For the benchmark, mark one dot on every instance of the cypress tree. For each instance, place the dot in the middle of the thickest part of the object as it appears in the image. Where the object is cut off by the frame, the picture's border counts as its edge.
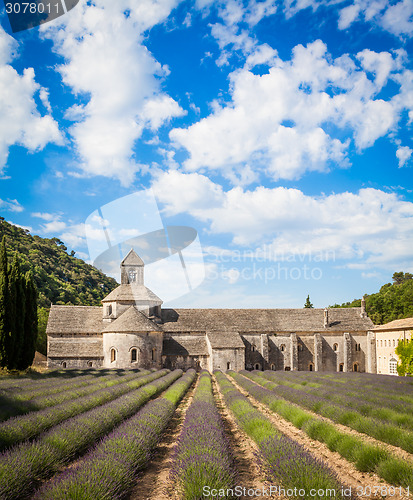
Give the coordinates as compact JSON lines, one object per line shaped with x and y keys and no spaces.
{"x":4,"y":304}
{"x":17,"y":312}
{"x":30,"y":323}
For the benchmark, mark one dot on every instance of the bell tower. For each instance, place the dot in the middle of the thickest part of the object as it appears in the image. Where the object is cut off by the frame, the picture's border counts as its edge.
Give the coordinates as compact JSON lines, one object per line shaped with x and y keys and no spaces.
{"x":131,"y":269}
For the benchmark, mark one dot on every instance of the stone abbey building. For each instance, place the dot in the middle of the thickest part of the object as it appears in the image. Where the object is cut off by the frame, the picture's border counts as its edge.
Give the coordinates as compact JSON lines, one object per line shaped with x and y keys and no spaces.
{"x":132,"y":330}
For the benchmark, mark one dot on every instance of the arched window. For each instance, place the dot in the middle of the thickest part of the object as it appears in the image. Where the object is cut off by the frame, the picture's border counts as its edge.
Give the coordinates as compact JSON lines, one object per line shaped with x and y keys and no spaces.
{"x":355,"y":367}
{"x":300,"y":347}
{"x":134,"y":355}
{"x":273,"y":367}
{"x":257,"y":366}
{"x":394,"y":343}
{"x":335,"y":347}
{"x":228,"y":365}
{"x":393,"y":366}
{"x":132,"y":276}
{"x":112,"y":355}
{"x":311,"y":367}
{"x":341,"y":367}
{"x":252,"y":347}
{"x":89,"y":364}
{"x":287,"y":369}
{"x":282,"y":347}
{"x":64,"y":364}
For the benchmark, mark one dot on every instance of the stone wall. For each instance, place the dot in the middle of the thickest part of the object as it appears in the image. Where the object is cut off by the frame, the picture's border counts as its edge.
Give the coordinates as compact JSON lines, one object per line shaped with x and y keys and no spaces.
{"x":172,"y":362}
{"x":67,"y":351}
{"x":227,"y":359}
{"x":148,"y":350}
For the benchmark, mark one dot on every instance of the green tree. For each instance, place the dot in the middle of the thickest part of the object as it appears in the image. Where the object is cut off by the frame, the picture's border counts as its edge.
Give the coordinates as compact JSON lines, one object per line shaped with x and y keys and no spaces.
{"x":30,"y":323}
{"x":4,"y":304}
{"x":308,"y":304}
{"x":401,"y":277}
{"x":41,"y":342}
{"x":17,"y":312}
{"x":404,"y":351}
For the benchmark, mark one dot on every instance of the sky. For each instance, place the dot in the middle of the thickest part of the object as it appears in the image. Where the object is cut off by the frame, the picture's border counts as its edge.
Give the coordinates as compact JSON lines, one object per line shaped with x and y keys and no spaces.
{"x":277,"y":132}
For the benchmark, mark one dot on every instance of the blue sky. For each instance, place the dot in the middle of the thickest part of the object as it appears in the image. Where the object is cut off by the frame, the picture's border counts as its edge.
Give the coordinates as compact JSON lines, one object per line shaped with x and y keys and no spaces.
{"x":279,"y":130}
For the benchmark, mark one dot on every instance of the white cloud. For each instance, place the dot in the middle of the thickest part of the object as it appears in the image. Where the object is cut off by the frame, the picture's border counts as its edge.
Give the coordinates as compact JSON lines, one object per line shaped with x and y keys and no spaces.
{"x":11,"y":205}
{"x":44,"y":215}
{"x":21,"y":122}
{"x":285,"y":122}
{"x":105,"y":60}
{"x":403,"y":153}
{"x":371,"y":226}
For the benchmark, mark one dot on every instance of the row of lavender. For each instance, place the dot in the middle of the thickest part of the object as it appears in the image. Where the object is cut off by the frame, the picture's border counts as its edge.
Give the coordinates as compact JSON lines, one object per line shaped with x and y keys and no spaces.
{"x":366,"y":457}
{"x":24,"y":465}
{"x":202,"y":456}
{"x":53,"y":394}
{"x":109,"y":469}
{"x":284,"y":461}
{"x":350,"y":383}
{"x":349,"y":413}
{"x":27,"y":426}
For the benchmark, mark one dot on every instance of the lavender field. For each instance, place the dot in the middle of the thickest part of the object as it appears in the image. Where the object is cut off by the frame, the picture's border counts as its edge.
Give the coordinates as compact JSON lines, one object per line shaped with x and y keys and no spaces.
{"x":103,"y":434}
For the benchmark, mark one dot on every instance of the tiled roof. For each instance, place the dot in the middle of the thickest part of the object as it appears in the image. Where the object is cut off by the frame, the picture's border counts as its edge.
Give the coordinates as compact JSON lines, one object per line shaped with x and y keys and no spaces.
{"x":264,"y":320}
{"x":397,"y":324}
{"x":185,"y":345}
{"x":132,"y":293}
{"x":131,"y":321}
{"x":75,"y":319}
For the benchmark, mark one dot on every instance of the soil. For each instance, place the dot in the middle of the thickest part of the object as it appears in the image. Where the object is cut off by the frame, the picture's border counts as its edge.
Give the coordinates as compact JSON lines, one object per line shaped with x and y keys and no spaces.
{"x":154,"y":482}
{"x":347,"y":473}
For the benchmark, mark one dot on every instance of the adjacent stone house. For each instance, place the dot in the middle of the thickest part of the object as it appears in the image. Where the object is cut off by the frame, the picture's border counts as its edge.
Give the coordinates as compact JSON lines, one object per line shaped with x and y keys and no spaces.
{"x":387,"y":338}
{"x":133,"y":330}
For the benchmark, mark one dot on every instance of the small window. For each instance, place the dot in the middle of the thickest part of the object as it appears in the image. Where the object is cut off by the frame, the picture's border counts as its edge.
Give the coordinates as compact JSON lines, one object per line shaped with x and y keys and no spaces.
{"x":134,"y":355}
{"x":257,"y":366}
{"x":287,"y":369}
{"x":393,"y":366}
{"x":273,"y":367}
{"x":335,"y":347}
{"x":385,"y":343}
{"x":300,"y":347}
{"x":112,"y":355}
{"x":154,"y":354}
{"x":89,"y":364}
{"x":341,"y":367}
{"x":228,"y":365}
{"x":108,"y":310}
{"x":355,"y":367}
{"x":311,"y":367}
{"x":282,"y":347}
{"x":394,"y":343}
{"x":381,"y":343}
{"x":132,"y":276}
{"x":64,"y":364}
{"x":358,"y":347}
{"x":252,"y":347}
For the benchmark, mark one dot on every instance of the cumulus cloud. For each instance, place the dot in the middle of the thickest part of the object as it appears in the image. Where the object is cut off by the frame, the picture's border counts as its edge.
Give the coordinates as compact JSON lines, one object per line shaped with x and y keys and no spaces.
{"x":403,"y":153}
{"x":11,"y":205}
{"x":286,"y":121}
{"x":21,"y":122}
{"x":107,"y":63}
{"x":370,"y":226}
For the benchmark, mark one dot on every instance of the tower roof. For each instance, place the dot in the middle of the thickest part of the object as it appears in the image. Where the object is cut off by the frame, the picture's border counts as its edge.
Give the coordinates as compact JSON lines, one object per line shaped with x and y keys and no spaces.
{"x":132,"y":259}
{"x":132,"y":321}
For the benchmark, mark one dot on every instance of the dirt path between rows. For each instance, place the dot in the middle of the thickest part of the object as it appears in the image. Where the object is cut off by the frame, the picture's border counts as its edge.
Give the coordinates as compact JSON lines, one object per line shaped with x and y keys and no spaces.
{"x":347,"y":473}
{"x":154,"y":482}
{"x":243,"y":448}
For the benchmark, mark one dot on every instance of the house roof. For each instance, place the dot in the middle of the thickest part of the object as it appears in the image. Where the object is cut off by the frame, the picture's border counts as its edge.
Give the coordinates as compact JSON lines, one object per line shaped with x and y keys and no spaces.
{"x":132,"y":293}
{"x":74,"y":319}
{"x":397,"y":324}
{"x":132,"y":259}
{"x":131,"y":321}
{"x":225,"y":340}
{"x":185,"y":345}
{"x":264,"y":320}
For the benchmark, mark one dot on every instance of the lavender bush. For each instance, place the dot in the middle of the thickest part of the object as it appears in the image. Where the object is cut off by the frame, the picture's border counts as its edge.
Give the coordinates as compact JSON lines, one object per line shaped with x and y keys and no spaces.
{"x":202,"y":455}
{"x":285,"y":461}
{"x":109,"y":469}
{"x":22,"y":466}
